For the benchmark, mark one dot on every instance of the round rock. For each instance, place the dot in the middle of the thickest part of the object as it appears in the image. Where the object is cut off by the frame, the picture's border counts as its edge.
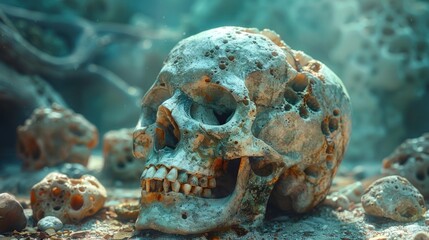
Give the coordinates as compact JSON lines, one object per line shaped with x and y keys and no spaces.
{"x":394,"y":197}
{"x":49,"y":222}
{"x":12,"y":215}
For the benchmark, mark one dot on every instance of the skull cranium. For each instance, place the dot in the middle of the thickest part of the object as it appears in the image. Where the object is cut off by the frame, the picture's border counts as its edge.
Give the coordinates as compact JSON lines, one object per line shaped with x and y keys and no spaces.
{"x":235,"y":121}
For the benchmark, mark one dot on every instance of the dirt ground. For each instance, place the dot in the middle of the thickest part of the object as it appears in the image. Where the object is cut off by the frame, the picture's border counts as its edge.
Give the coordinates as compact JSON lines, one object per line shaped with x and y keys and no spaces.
{"x":116,"y":221}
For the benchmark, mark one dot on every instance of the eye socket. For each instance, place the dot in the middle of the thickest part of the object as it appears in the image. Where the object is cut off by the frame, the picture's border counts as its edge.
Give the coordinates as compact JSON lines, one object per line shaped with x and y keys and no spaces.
{"x":212,"y":105}
{"x":261,"y":167}
{"x":151,"y":101}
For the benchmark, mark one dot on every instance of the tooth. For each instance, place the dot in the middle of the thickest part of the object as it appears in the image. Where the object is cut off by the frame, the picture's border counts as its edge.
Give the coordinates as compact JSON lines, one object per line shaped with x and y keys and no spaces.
{"x":152,"y":185}
{"x":144,"y":173}
{"x":148,"y":185}
{"x":197,"y":190}
{"x":207,"y":193}
{"x":193,"y":181}
{"x":212,"y":183}
{"x":150,"y":172}
{"x":186,"y":188}
{"x":160,"y":174}
{"x":183,"y":177}
{"x":166,"y":185}
{"x":203,"y":182}
{"x":143,"y":183}
{"x":158,"y":186}
{"x":172,"y":175}
{"x":175,"y":186}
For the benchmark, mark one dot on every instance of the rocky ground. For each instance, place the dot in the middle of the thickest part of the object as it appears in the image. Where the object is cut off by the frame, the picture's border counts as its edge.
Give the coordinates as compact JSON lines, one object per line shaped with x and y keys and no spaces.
{"x":116,"y":220}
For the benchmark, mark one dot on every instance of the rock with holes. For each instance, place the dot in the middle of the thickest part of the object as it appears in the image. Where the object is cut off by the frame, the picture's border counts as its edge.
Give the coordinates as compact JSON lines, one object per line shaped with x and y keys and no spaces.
{"x":68,"y":199}
{"x":55,"y":135}
{"x":236,"y":121}
{"x":394,"y":197}
{"x":119,"y":161}
{"x":411,"y":160}
{"x":12,"y":215}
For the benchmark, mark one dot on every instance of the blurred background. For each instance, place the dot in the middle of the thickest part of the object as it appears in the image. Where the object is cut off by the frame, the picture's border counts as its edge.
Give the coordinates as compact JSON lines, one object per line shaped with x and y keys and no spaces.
{"x":99,"y":57}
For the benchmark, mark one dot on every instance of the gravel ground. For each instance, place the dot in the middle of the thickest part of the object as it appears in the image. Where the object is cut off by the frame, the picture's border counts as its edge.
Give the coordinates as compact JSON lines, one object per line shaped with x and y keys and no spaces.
{"x":324,"y":222}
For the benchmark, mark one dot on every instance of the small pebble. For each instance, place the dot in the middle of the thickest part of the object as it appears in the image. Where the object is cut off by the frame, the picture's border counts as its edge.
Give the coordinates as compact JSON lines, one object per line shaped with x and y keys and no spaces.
{"x":394,"y":197}
{"x":421,"y":236}
{"x":49,"y":222}
{"x":12,"y":215}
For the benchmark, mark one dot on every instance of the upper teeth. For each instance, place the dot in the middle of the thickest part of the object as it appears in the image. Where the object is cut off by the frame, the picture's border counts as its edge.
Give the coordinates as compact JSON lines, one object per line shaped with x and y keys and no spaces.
{"x":162,"y":179}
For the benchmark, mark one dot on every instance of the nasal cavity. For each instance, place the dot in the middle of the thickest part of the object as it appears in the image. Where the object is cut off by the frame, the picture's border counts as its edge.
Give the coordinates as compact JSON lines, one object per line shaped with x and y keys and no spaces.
{"x":167,"y":134}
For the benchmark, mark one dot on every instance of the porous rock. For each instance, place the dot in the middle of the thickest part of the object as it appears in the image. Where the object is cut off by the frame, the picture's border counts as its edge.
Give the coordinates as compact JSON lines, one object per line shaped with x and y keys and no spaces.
{"x":49,"y":222}
{"x":411,"y":161}
{"x":68,"y":199}
{"x":119,"y":161}
{"x":55,"y":135}
{"x":421,"y":236}
{"x":12,"y":215}
{"x":394,"y":197}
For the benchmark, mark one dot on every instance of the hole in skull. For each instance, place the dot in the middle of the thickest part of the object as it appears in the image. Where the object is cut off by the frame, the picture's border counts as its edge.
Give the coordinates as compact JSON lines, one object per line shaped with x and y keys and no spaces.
{"x":261,"y":167}
{"x":291,"y":96}
{"x":299,"y":83}
{"x":184,"y":215}
{"x":57,"y":208}
{"x":167,"y":132}
{"x":212,"y":104}
{"x":209,"y":115}
{"x":76,"y":202}
{"x":56,"y":191}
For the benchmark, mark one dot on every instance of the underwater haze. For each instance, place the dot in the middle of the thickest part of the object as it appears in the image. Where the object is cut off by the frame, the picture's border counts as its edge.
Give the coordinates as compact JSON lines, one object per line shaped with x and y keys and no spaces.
{"x":91,"y":62}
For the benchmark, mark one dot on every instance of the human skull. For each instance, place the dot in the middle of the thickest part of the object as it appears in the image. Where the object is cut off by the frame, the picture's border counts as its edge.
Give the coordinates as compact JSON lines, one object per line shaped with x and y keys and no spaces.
{"x":235,"y":121}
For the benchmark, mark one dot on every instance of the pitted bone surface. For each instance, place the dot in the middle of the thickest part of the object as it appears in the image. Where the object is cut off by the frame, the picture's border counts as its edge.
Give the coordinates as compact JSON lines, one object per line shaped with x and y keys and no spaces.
{"x":68,"y":199}
{"x":235,"y":118}
{"x":55,"y":135}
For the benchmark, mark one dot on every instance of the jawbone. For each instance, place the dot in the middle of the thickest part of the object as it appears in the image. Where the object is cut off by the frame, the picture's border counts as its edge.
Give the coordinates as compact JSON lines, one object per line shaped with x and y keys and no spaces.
{"x":183,"y":214}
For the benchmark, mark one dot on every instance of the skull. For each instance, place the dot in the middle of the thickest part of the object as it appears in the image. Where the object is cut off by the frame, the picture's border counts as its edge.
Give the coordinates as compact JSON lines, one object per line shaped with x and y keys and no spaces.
{"x":236,"y":121}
